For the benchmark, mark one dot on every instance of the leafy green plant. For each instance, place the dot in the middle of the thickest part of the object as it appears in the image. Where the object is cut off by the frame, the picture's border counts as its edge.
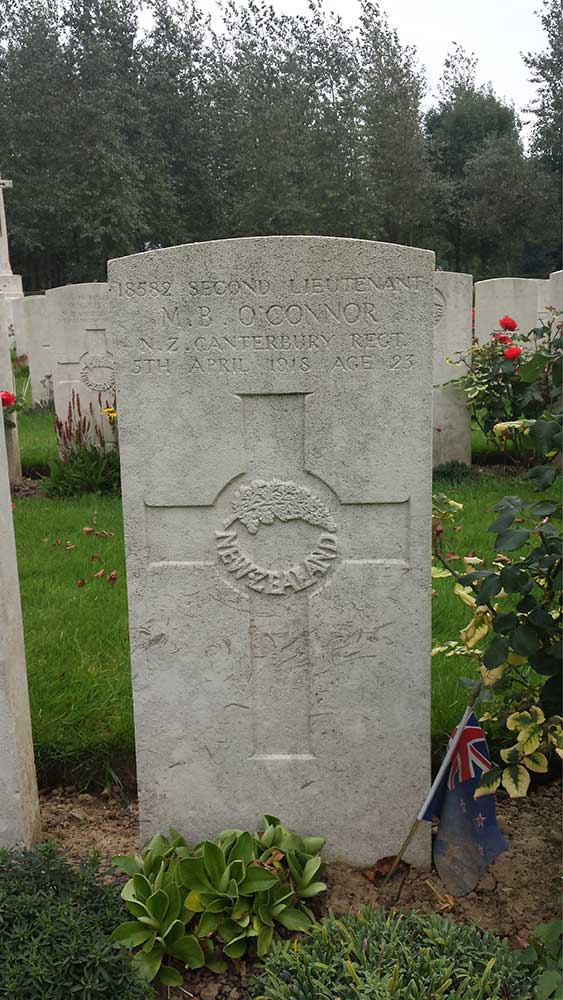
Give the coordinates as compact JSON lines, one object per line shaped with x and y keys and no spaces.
{"x":231,"y":892}
{"x":56,"y":921}
{"x":518,"y":605}
{"x":87,"y":470}
{"x":544,"y":954}
{"x":378,"y":956}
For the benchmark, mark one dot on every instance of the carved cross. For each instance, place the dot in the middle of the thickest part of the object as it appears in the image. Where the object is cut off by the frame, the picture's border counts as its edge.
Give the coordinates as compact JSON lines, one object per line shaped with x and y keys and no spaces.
{"x":277,"y":536}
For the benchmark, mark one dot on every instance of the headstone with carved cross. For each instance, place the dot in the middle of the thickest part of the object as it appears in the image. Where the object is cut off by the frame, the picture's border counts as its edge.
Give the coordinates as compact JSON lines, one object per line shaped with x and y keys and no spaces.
{"x":275,"y":428}
{"x":79,"y":341}
{"x":453,"y":301}
{"x":10,"y":284}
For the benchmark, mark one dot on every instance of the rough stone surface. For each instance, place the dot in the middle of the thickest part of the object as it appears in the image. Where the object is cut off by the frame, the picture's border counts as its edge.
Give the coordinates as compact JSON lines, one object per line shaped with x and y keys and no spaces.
{"x":81,"y":344}
{"x":18,"y":326}
{"x":525,"y":299}
{"x":453,"y":300}
{"x":39,"y":350}
{"x":274,"y":399}
{"x":19,"y":803}
{"x":7,"y":383}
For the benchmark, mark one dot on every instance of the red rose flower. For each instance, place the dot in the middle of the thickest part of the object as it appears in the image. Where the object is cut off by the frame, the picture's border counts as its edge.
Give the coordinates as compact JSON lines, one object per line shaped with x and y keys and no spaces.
{"x":507,"y":323}
{"x":503,"y":338}
{"x":8,"y":398}
{"x":512,"y":353}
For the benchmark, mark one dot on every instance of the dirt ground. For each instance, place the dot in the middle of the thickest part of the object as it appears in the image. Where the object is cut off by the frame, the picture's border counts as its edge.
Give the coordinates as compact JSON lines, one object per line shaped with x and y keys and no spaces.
{"x":520,"y":889}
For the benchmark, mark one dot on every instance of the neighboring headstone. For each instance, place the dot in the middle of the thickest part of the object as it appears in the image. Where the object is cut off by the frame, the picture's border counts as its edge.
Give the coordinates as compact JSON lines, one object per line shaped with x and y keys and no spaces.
{"x":556,"y":290}
{"x":19,"y":327}
{"x":79,"y":332}
{"x":453,"y":300}
{"x":10,"y":284}
{"x":19,"y":803}
{"x":274,"y":399}
{"x":7,"y":383}
{"x":524,"y":299}
{"x":39,"y":351}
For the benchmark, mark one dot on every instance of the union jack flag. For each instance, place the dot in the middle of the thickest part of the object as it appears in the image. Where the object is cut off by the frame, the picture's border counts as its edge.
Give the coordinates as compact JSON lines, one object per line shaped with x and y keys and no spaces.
{"x":467,"y":755}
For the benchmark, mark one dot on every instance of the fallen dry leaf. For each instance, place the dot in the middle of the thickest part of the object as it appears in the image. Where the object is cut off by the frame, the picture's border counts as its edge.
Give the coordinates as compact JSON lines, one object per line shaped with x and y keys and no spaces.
{"x":99,"y":573}
{"x":87,"y":531}
{"x":103,"y":534}
{"x":81,"y":583}
{"x":94,"y":558}
{"x":383,"y":866}
{"x":57,"y":542}
{"x":112,"y":577}
{"x":69,"y":546}
{"x":44,"y":540}
{"x":458,"y":527}
{"x":451,"y":556}
{"x":502,"y":558}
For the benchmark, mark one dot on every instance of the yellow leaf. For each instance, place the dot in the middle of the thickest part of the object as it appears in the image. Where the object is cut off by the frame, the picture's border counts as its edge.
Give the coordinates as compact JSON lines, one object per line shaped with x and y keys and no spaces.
{"x":516,"y":660}
{"x":537,"y":714}
{"x":455,"y":505}
{"x":516,"y":780}
{"x":473,"y":561}
{"x":490,"y":677}
{"x":530,"y":738}
{"x":518,"y":720}
{"x":193,"y":902}
{"x":536,"y":762}
{"x":439,"y":573}
{"x":465,"y":595}
{"x":512,"y":755}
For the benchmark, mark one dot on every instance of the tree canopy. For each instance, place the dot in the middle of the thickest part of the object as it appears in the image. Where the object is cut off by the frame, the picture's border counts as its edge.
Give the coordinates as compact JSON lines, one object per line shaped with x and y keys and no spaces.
{"x":125,"y":127}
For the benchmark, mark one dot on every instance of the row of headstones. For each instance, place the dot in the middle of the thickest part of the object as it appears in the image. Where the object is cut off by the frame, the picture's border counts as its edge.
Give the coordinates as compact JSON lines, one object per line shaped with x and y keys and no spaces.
{"x":67,"y":337}
{"x":275,"y":408}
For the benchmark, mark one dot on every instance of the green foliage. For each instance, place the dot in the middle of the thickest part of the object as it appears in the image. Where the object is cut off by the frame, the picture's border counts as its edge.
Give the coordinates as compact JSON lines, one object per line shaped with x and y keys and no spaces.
{"x":233,"y":892}
{"x":56,"y":921}
{"x":544,"y":954}
{"x":88,"y":470}
{"x":375,"y":956}
{"x":517,"y":604}
{"x":508,"y":395}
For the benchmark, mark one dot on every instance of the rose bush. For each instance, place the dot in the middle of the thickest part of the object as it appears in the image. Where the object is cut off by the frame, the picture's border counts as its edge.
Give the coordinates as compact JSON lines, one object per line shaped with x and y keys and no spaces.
{"x":508,"y":390}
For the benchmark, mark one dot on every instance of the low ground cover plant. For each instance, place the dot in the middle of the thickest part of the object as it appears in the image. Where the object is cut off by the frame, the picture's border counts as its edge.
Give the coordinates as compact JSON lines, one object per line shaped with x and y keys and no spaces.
{"x":55,"y":927}
{"x":88,"y":446}
{"x":377,"y":956}
{"x":213,"y":903}
{"x":544,"y":954}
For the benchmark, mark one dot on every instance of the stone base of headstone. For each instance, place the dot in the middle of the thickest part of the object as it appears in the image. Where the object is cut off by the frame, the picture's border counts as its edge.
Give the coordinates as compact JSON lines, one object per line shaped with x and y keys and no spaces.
{"x":19,"y":803}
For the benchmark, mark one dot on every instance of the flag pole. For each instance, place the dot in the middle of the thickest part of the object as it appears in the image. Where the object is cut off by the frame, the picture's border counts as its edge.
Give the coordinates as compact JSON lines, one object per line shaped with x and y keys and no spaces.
{"x":445,"y":763}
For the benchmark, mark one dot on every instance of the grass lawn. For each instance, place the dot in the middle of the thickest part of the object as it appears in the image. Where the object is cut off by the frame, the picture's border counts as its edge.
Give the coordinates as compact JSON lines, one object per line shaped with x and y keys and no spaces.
{"x":76,"y":635}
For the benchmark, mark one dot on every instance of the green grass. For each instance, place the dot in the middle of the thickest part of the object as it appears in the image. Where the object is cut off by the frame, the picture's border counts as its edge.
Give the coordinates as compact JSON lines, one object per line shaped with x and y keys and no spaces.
{"x":77,"y":638}
{"x":36,"y":431}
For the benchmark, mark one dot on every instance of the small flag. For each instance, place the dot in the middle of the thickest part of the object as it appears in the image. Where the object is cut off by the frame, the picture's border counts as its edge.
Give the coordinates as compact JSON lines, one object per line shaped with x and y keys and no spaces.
{"x":468,"y":837}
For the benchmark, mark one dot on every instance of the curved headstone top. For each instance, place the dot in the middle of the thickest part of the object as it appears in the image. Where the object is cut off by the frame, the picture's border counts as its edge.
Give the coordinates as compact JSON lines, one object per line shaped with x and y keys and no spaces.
{"x":275,"y":439}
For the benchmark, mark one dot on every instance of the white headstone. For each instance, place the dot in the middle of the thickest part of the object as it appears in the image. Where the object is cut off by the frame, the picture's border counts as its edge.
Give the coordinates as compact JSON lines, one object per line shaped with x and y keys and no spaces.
{"x":275,"y":416}
{"x":556,"y":290}
{"x":453,"y":302}
{"x":79,"y":332}
{"x":39,"y":351}
{"x":7,"y":383}
{"x":19,"y":804}
{"x":19,"y":326}
{"x":524,"y":299}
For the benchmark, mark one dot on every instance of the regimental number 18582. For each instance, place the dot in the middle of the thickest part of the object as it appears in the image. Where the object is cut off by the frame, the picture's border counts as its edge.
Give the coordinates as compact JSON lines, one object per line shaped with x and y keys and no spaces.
{"x":132,"y":289}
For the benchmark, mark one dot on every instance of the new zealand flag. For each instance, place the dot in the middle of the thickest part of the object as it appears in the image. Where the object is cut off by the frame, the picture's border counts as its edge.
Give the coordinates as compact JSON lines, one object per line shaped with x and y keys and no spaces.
{"x":468,"y":837}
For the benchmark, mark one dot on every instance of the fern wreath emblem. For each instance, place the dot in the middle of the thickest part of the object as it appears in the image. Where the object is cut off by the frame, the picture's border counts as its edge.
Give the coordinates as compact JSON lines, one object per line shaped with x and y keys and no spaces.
{"x":262,"y":501}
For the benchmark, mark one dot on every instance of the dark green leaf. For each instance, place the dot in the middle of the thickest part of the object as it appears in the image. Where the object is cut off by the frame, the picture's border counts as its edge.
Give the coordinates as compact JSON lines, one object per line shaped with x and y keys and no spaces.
{"x":524,"y":640}
{"x":513,"y":538}
{"x":496,"y":652}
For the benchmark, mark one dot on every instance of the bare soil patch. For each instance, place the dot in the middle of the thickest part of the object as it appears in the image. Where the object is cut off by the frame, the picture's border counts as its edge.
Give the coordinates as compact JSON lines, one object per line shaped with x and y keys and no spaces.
{"x":521,"y":889}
